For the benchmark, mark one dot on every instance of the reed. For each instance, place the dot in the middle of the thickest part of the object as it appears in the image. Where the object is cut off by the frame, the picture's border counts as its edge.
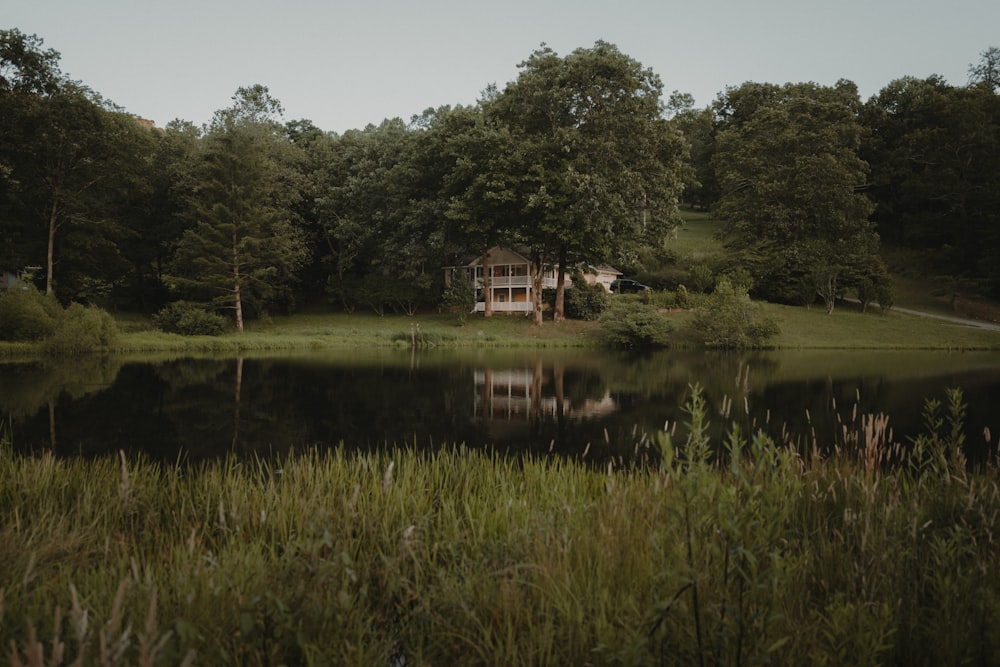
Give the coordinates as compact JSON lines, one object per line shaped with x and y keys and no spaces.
{"x":750,"y":550}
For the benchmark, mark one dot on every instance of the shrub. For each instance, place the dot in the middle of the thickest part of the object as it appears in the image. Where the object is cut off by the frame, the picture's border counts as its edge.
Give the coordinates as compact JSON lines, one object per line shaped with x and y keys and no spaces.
{"x":27,"y":315}
{"x":700,"y":278}
{"x":586,"y":301}
{"x":631,"y":323}
{"x":189,"y":319}
{"x":730,"y":319}
{"x":682,"y":296}
{"x":82,"y":329}
{"x":885,"y":295}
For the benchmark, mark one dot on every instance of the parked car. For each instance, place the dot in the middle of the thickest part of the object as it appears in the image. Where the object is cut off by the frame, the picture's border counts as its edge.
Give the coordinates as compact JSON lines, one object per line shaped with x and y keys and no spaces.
{"x":626,"y":286}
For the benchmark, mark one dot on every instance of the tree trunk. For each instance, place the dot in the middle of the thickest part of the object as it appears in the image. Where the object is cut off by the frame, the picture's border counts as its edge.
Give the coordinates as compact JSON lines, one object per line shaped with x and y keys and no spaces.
{"x":52,"y":425}
{"x":50,"y":252}
{"x":537,"y":267}
{"x":487,"y":283}
{"x":560,"y":309}
{"x":237,"y":296}
{"x":237,"y":394}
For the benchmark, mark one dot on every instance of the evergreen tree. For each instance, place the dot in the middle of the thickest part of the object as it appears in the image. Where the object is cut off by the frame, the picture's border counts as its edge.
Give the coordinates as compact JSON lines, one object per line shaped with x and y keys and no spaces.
{"x":245,"y":247}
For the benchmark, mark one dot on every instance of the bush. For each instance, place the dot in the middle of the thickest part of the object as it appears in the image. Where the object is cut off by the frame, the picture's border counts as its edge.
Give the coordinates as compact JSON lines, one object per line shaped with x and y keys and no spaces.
{"x":700,"y":278}
{"x":586,"y":301}
{"x":631,"y":323}
{"x":27,"y":315}
{"x":82,"y":329}
{"x":189,"y":319}
{"x":729,"y":319}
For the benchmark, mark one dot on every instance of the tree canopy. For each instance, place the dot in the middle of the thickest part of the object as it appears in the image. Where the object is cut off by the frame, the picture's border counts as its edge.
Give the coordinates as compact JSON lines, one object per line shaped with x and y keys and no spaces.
{"x":244,"y":247}
{"x":579,"y":160}
{"x":792,"y":182}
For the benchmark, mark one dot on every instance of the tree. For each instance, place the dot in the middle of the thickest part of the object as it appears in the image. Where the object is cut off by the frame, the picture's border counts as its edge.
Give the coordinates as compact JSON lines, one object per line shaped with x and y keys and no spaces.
{"x":986,"y":72}
{"x":244,"y":247}
{"x":71,"y":165}
{"x":793,"y":205}
{"x":935,"y":156}
{"x":599,"y":167}
{"x":481,"y":185}
{"x":697,"y":126}
{"x":25,"y":68}
{"x":155,"y":214}
{"x":73,"y":159}
{"x":371,"y":213}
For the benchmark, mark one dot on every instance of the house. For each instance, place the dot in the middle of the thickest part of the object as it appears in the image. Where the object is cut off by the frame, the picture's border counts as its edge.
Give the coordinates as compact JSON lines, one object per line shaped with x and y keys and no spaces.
{"x":510,"y":279}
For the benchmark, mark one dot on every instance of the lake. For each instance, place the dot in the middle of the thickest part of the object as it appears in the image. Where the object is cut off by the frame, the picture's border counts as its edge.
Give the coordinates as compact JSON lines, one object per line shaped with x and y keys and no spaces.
{"x":594,"y":404}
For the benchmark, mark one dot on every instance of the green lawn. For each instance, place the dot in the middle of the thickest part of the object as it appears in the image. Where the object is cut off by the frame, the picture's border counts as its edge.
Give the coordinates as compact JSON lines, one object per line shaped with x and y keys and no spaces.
{"x":695,"y":240}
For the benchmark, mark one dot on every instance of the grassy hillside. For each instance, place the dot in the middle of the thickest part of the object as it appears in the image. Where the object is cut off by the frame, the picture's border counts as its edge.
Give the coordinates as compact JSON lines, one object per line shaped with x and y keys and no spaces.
{"x":917,"y":287}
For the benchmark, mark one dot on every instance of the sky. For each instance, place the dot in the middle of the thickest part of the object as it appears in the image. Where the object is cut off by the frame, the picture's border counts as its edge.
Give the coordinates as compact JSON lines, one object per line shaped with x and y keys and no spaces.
{"x":345,"y":65}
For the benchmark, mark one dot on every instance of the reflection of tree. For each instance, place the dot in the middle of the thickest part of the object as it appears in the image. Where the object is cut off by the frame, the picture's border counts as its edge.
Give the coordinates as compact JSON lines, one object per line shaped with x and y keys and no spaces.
{"x":238,"y":389}
{"x":30,"y":387}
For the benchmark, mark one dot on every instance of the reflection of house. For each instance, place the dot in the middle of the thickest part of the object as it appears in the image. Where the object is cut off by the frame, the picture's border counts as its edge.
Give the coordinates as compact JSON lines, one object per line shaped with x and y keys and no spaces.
{"x":510,"y":279}
{"x":517,"y":395}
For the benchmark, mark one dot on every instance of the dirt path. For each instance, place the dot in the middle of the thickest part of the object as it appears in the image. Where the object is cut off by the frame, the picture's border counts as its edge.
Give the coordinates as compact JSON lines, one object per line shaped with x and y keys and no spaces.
{"x":992,"y":326}
{"x":980,"y":324}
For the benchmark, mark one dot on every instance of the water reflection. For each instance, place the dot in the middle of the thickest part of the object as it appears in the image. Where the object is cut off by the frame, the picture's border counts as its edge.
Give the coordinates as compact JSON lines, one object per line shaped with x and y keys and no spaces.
{"x":519,"y":401}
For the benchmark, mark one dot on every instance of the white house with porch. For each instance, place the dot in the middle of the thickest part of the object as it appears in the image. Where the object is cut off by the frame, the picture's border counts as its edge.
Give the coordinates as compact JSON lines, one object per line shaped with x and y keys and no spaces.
{"x":510,"y":279}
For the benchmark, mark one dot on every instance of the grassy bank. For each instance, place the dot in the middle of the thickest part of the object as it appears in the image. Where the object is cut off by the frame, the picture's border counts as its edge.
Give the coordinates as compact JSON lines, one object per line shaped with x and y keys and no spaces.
{"x":801,"y":328}
{"x":761,"y":555}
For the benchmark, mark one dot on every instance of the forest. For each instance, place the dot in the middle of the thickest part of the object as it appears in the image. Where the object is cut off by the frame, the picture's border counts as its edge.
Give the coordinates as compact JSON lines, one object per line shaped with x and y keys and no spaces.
{"x":584,"y":158}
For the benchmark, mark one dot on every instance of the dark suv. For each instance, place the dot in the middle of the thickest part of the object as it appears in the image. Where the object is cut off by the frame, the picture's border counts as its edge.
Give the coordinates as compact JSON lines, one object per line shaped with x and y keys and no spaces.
{"x":625,"y":286}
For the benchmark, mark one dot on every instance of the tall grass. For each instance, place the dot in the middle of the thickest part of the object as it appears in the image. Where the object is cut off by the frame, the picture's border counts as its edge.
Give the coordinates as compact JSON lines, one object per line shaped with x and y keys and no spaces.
{"x":743,"y":551}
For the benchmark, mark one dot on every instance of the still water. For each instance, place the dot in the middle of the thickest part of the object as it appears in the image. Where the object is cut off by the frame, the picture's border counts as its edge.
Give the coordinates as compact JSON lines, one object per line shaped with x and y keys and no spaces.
{"x":589,"y":404}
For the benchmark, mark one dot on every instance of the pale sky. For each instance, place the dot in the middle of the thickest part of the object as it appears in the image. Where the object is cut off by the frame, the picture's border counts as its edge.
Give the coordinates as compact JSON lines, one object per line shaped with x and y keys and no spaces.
{"x":344,"y":65}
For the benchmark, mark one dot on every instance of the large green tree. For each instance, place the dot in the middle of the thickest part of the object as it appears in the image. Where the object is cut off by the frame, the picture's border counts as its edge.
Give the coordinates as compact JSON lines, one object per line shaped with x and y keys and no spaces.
{"x":481,"y":185}
{"x":794,"y":207}
{"x":66,"y":160}
{"x":154,"y":214}
{"x":601,"y":167}
{"x":245,"y":246}
{"x":935,"y":155}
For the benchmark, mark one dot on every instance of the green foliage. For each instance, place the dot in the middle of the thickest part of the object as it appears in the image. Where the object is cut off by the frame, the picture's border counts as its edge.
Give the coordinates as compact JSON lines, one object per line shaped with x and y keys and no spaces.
{"x":27,"y":315}
{"x":190,"y":319}
{"x":682,"y":296}
{"x":245,"y":245}
{"x":700,"y":278}
{"x":587,"y":147}
{"x":460,"y":295}
{"x":631,"y":323}
{"x":82,"y":329}
{"x":885,"y":295}
{"x":729,"y":319}
{"x":586,"y":301}
{"x":787,"y":158}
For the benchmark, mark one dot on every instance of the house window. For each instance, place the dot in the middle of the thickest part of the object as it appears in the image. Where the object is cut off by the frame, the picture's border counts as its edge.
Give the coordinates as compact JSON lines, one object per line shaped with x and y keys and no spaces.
{"x":519,"y":270}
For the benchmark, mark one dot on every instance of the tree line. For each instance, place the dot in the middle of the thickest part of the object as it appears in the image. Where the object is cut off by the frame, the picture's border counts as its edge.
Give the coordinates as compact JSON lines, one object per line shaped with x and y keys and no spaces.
{"x":582,"y":158}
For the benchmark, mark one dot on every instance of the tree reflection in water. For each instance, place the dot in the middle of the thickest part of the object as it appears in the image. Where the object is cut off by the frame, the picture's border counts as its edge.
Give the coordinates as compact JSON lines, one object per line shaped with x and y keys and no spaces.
{"x":514,"y":401}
